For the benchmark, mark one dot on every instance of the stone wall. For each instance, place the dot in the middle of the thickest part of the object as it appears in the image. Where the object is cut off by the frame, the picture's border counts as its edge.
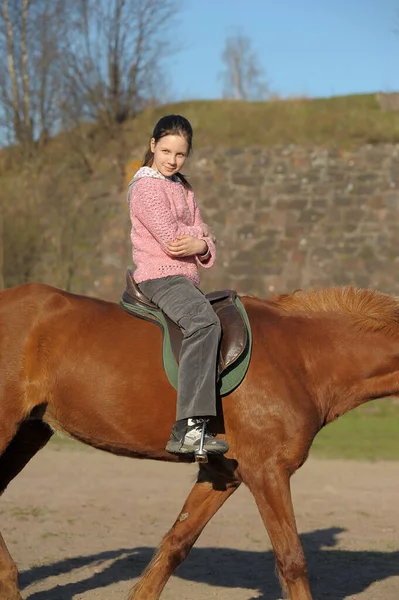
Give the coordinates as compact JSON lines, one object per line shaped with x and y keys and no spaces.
{"x":288,"y":218}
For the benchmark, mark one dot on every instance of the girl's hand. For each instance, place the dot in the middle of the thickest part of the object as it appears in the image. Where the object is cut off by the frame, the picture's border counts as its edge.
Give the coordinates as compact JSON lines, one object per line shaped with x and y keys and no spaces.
{"x":186,"y":245}
{"x":207,"y":232}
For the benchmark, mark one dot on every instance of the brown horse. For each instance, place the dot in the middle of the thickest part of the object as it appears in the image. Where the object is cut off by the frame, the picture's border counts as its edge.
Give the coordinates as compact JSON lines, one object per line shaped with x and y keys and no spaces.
{"x":85,"y":367}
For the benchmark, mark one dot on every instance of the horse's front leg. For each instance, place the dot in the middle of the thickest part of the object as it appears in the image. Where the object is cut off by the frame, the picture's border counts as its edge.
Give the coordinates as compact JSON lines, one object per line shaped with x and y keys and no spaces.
{"x":8,"y":575}
{"x":206,"y":497}
{"x":17,"y":446}
{"x":271,"y":489}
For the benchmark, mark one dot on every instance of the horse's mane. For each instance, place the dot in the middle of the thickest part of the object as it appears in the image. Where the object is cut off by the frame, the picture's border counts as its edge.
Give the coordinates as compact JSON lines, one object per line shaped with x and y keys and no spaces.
{"x":369,"y":309}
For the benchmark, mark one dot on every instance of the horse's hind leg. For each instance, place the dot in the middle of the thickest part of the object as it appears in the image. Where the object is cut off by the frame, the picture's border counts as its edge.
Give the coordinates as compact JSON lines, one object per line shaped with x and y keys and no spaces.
{"x":29,"y":439}
{"x":206,"y":497}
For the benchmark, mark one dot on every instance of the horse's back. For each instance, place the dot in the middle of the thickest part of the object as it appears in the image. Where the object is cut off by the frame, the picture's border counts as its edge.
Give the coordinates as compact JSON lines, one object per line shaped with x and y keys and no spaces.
{"x":38,"y":303}
{"x":47,"y":319}
{"x":24,"y":304}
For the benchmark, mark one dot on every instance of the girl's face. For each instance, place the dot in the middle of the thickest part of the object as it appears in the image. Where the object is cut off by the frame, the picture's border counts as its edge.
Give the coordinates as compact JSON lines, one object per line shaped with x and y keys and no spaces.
{"x":170,"y":154}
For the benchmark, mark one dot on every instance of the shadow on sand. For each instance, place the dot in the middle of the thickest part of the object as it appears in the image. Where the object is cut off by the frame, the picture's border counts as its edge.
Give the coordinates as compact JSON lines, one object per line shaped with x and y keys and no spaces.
{"x":334,"y":574}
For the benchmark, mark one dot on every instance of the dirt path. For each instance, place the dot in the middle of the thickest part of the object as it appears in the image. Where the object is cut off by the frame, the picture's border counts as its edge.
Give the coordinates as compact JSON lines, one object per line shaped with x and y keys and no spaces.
{"x":83,"y":524}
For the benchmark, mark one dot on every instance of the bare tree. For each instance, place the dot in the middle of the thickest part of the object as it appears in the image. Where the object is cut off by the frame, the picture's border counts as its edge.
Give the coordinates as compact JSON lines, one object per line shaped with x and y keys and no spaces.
{"x":64,"y":63}
{"x":117,"y":56}
{"x":243,"y":78}
{"x":30,"y":34}
{"x":13,"y":100}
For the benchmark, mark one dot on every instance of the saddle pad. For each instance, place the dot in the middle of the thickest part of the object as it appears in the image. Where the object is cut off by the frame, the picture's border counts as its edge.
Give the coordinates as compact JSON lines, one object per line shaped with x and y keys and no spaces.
{"x":230,"y":377}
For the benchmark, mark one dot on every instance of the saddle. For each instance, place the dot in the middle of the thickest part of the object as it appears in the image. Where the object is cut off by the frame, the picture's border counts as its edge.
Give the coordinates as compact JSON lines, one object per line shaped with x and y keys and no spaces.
{"x":235,"y":339}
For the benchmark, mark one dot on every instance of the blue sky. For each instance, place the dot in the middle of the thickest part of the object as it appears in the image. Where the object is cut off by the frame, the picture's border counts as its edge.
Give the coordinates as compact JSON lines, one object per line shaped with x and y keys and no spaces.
{"x":307,"y":48}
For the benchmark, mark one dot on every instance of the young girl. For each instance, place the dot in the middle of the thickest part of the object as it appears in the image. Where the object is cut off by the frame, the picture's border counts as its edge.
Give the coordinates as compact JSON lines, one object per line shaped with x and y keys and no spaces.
{"x":169,"y":241}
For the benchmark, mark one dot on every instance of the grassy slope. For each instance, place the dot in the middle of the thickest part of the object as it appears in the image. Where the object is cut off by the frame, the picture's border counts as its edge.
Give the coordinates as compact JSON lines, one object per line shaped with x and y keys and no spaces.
{"x":340,"y":121}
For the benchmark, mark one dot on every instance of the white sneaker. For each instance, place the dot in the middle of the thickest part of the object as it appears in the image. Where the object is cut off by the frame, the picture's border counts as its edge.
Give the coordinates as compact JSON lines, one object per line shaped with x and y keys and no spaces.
{"x":186,"y":437}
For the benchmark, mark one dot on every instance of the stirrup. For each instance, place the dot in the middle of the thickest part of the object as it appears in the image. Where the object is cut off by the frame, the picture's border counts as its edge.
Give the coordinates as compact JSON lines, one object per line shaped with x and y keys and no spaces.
{"x":201,"y":455}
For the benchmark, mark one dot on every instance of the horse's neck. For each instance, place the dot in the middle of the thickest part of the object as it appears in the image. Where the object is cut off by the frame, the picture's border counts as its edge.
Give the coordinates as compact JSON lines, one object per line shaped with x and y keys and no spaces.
{"x":365,"y":367}
{"x":342,"y":367}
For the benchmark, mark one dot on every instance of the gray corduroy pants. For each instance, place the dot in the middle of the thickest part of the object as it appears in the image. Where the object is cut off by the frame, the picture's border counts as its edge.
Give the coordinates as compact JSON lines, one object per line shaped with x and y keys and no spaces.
{"x":187,"y":306}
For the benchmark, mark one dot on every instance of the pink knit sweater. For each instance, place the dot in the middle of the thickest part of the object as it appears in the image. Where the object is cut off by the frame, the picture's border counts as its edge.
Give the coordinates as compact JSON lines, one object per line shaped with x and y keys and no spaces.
{"x":161,"y":209}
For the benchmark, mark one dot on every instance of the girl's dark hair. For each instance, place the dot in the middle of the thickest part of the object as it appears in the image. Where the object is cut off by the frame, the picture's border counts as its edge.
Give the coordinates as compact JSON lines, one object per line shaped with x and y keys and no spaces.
{"x":170,"y":125}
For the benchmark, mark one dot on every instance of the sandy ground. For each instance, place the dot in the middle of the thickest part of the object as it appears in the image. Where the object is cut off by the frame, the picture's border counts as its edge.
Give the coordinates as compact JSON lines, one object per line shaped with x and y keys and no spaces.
{"x":83,"y":524}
